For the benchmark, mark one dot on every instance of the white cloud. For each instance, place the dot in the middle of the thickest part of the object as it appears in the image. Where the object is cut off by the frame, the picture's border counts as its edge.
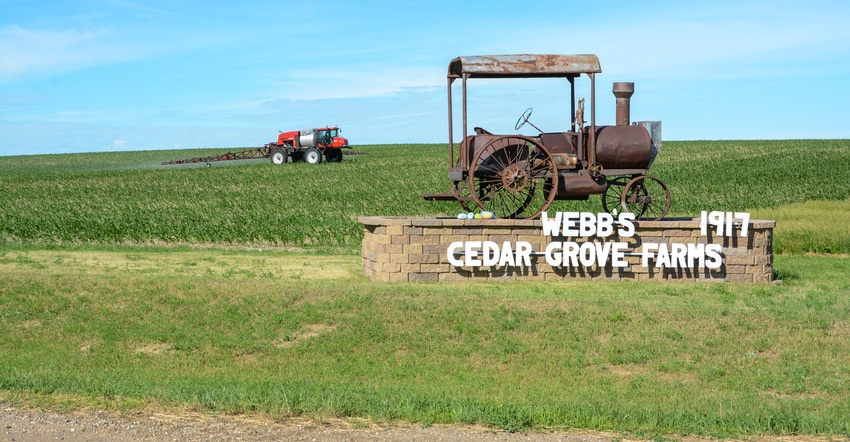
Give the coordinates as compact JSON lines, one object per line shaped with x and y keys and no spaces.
{"x":28,"y":51}
{"x":710,"y":41}
{"x":360,"y":81}
{"x":57,"y":51}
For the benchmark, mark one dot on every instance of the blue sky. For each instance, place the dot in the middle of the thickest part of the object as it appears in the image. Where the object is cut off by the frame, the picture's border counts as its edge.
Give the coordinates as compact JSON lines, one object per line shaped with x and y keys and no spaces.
{"x":116,"y":75}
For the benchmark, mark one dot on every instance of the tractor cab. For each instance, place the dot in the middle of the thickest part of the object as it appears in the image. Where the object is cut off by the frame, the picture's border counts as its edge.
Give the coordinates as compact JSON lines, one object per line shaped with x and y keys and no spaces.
{"x":330,"y":137}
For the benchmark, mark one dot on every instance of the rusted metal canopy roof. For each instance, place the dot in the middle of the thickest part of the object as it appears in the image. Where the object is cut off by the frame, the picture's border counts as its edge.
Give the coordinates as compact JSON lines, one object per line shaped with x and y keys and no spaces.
{"x":524,"y":65}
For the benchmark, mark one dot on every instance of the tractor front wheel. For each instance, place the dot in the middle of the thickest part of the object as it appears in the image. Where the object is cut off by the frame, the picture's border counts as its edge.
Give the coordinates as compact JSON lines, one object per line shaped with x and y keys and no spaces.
{"x":647,"y":197}
{"x":613,"y":193}
{"x":278,"y":156}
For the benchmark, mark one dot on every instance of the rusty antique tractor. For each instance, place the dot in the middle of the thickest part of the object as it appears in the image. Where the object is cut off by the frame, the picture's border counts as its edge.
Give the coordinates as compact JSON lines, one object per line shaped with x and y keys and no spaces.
{"x":518,"y":176}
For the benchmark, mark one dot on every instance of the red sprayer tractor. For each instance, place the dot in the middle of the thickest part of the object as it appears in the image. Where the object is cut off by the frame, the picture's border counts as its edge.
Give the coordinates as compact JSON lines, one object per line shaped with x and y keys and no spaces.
{"x":308,"y":145}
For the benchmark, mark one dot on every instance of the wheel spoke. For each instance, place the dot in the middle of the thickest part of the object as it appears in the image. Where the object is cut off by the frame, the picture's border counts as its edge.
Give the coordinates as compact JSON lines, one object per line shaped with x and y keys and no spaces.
{"x":520,"y":149}
{"x":538,"y":171}
{"x":493,"y":165}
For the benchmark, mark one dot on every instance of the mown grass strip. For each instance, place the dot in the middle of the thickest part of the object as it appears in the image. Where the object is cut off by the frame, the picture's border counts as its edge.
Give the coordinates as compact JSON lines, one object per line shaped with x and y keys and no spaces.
{"x":810,"y":227}
{"x":223,"y":331}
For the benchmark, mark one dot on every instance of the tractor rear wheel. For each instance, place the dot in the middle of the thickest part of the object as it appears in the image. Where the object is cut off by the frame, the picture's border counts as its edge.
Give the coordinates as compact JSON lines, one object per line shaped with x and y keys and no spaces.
{"x":313,"y":156}
{"x":333,"y":155}
{"x":278,"y":156}
{"x":513,"y":177}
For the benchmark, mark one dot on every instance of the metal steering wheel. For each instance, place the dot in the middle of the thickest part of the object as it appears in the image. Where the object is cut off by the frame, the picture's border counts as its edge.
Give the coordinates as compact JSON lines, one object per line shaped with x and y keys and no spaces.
{"x":523,"y":119}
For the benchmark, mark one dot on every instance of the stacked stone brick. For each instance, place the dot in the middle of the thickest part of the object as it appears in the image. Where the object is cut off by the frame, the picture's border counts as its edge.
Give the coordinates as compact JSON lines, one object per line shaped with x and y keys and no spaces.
{"x":415,"y":249}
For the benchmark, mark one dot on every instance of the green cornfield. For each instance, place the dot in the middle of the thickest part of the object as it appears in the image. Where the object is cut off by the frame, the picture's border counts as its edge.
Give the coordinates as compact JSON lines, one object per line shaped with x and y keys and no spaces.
{"x":130,"y":198}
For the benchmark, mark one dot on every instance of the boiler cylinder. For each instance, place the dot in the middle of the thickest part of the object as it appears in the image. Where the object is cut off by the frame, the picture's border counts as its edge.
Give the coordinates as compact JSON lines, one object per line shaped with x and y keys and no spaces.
{"x":623,"y":147}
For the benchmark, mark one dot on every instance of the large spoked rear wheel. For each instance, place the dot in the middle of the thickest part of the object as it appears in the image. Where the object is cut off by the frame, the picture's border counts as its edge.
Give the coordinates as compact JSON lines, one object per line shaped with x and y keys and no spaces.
{"x":513,"y":177}
{"x":647,"y":197}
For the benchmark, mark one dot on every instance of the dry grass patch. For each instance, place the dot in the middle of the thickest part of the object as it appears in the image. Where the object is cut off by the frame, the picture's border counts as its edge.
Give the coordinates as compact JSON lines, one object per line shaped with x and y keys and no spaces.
{"x":308,"y":331}
{"x":201,"y":262}
{"x":153,"y":349}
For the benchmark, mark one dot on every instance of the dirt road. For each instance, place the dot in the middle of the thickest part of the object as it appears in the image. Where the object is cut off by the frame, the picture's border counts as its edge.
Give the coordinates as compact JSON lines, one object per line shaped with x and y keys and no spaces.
{"x":26,"y":425}
{"x":29,"y":425}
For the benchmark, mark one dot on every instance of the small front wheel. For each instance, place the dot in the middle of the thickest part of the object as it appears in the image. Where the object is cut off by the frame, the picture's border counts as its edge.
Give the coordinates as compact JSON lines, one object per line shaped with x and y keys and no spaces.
{"x":278,"y":156}
{"x":313,"y":156}
{"x":647,"y":197}
{"x":613,"y":194}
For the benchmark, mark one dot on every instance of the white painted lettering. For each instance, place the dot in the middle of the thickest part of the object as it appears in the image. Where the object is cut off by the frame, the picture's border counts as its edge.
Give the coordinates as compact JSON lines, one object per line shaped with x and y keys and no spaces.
{"x":450,"y":253}
{"x":696,"y":252}
{"x":604,"y":225}
{"x":471,"y":250}
{"x":712,"y":252}
{"x":490,"y":253}
{"x":647,"y":253}
{"x":570,"y":219}
{"x":628,"y":230}
{"x":523,"y":251}
{"x":729,"y":221}
{"x":507,"y":258}
{"x":678,"y":255}
{"x":571,"y":253}
{"x":587,"y":254}
{"x":745,"y":223}
{"x":553,"y":258}
{"x":663,"y":258}
{"x":602,"y":252}
{"x":715,"y":218}
{"x":551,"y":226}
{"x":619,"y":254}
{"x":587,"y":224}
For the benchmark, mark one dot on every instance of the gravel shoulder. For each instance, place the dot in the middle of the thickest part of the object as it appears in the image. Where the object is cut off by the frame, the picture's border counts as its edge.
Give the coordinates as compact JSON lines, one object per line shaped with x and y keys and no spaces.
{"x":31,"y":425}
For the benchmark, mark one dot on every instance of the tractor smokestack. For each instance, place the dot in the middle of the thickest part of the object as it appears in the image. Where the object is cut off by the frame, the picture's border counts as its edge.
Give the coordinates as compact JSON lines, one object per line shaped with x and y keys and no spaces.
{"x":623,"y":91}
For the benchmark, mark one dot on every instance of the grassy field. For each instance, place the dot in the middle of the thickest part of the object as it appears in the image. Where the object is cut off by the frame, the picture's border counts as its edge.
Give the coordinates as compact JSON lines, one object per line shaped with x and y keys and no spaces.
{"x":237,"y":289}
